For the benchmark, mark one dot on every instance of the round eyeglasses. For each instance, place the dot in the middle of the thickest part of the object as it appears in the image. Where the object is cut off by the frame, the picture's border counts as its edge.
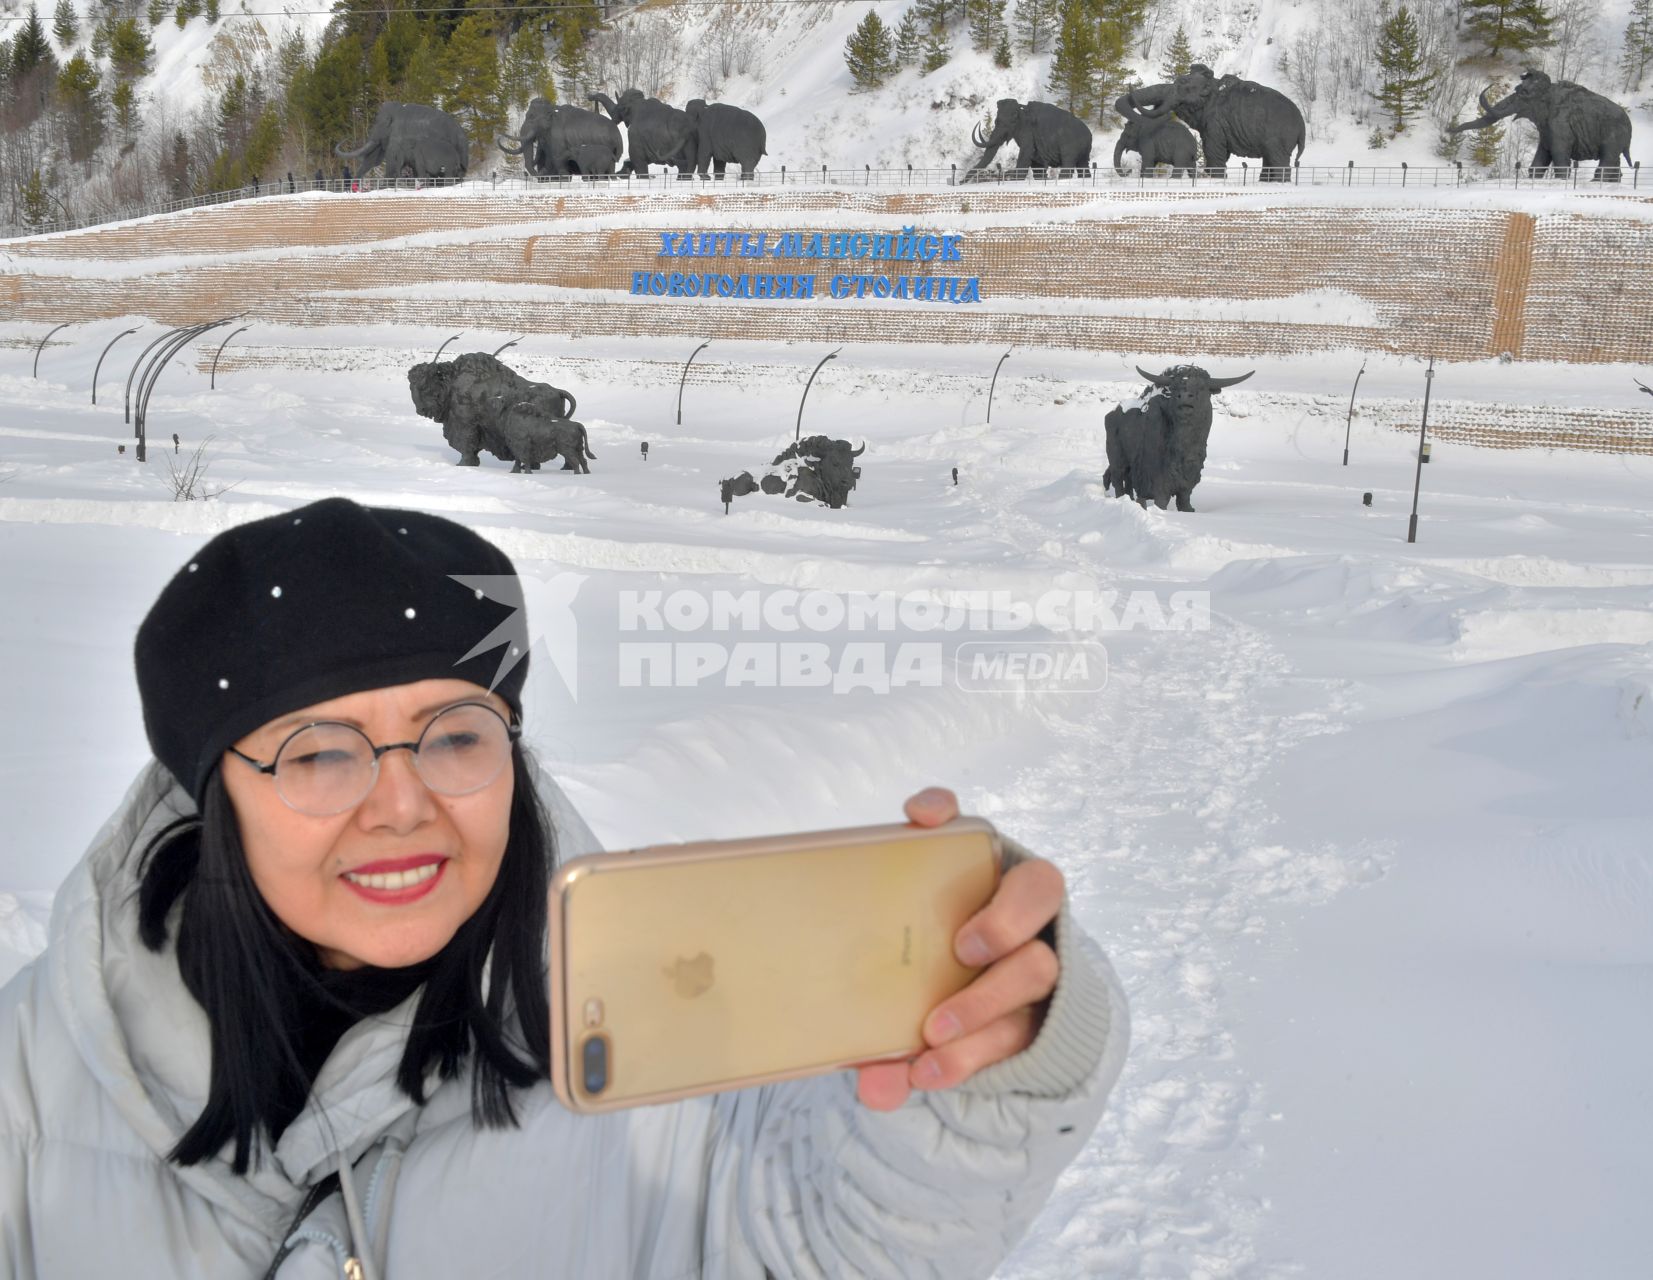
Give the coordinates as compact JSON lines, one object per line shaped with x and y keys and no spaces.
{"x":324,"y":768}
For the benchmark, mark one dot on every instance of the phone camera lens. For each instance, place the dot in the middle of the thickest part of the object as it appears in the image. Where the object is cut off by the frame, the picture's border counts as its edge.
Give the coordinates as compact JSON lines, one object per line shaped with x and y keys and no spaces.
{"x":594,"y":1062}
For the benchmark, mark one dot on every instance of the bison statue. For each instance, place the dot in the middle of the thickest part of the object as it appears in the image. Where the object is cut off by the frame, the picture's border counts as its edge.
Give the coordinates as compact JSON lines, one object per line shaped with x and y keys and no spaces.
{"x":1156,"y":444}
{"x":484,"y":406}
{"x":816,"y":468}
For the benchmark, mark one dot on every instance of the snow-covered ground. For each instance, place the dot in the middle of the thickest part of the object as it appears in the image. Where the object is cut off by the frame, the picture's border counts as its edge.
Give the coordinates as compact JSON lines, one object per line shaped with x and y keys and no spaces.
{"x":1371,"y":851}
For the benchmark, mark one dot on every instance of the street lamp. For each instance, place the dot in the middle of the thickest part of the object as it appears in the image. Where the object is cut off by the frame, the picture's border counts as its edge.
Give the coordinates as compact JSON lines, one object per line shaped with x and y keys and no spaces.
{"x":995,"y":382}
{"x":1349,"y":424}
{"x":1423,"y":431}
{"x":798,"y":430}
{"x":212,"y":383}
{"x":685,"y":378}
{"x":99,"y":364}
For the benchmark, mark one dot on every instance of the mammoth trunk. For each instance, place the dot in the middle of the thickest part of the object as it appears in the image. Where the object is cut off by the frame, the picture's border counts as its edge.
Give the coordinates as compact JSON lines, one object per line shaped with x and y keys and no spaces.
{"x":990,"y":146}
{"x":1119,"y":156}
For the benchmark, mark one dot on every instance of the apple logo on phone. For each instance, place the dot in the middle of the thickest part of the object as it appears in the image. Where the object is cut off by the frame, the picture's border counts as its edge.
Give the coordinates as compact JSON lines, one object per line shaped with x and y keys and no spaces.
{"x":691,"y":977}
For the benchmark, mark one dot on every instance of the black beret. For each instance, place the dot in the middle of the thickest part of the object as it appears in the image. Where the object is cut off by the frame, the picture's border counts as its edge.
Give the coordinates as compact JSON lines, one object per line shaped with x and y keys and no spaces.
{"x":318,"y":602}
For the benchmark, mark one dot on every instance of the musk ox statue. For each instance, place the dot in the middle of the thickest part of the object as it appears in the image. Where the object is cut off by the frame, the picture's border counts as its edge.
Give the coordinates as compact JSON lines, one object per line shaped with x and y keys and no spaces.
{"x":1156,"y":445}
{"x":815,"y":469}
{"x":485,"y":406}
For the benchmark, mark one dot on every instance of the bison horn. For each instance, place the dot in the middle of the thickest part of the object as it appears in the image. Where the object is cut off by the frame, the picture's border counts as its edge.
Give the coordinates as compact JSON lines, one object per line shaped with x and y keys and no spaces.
{"x":1217,"y":384}
{"x":1155,"y":378}
{"x":856,"y":453}
{"x":1643,"y":386}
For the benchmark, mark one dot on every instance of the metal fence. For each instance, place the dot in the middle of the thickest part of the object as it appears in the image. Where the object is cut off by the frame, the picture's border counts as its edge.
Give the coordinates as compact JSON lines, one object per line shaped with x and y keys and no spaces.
{"x":1599,"y":180}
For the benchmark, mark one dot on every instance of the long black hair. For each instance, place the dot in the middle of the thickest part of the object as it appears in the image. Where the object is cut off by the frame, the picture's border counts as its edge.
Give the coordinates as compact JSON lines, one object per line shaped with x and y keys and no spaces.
{"x":254,"y":976}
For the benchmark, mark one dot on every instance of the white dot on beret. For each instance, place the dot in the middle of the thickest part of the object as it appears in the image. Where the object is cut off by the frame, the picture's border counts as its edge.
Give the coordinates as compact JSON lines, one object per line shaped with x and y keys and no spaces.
{"x":194,"y":567}
{"x":223,"y":684}
{"x":401,"y":531}
{"x":408,"y":613}
{"x":276,"y":592}
{"x":298,"y":519}
{"x":479,"y":593}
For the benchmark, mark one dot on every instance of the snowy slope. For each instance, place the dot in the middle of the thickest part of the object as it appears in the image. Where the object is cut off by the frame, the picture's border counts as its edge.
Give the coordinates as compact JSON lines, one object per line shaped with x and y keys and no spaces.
{"x":1369,"y":852}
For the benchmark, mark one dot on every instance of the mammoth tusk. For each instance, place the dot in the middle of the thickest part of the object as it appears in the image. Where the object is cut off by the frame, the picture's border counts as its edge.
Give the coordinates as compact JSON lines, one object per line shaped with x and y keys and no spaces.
{"x":505,"y":146}
{"x":1217,"y":384}
{"x":1486,"y":104}
{"x":975,"y":136}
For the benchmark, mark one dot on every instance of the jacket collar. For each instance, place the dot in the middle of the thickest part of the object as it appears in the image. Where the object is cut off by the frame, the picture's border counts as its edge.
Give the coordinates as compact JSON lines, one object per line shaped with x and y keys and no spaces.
{"x":145,"y":1040}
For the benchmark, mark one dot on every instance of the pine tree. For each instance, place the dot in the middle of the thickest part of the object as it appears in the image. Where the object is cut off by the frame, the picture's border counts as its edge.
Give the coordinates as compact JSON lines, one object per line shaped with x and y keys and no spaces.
{"x":471,"y":67}
{"x":1515,"y":25}
{"x":936,"y":52}
{"x":1036,"y":23}
{"x":330,"y":92}
{"x":869,"y":53}
{"x":1483,"y":151}
{"x":65,"y":24}
{"x":1179,"y":56}
{"x":37,"y":205}
{"x":1001,"y":51}
{"x":211,"y":10}
{"x":909,"y":40}
{"x":176,"y":167}
{"x":1637,"y":56}
{"x":1405,"y":80}
{"x":129,"y":49}
{"x":79,"y":91}
{"x":124,"y":100}
{"x":426,"y":80}
{"x":31,"y":50}
{"x":571,"y":62}
{"x":981,"y":26}
{"x":1077,"y":60}
{"x":526,"y":68}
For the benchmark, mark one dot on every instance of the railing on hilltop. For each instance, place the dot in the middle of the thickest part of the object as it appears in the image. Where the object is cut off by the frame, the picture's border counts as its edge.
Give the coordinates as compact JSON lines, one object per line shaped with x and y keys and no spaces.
{"x":1601,"y":180}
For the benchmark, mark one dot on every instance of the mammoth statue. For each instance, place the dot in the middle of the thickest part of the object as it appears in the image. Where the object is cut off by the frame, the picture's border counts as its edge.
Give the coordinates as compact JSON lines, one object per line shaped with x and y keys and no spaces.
{"x":406,"y":135}
{"x":1162,"y":141}
{"x":1573,"y":123}
{"x":1156,"y":445}
{"x":558,"y":140}
{"x":655,"y":132}
{"x":1046,"y":137}
{"x":726,"y":135}
{"x":485,"y":406}
{"x":816,"y":468}
{"x":1233,"y":117}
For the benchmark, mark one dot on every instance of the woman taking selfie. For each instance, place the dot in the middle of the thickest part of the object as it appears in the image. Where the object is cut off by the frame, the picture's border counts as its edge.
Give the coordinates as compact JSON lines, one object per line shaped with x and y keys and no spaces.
{"x":292,"y":1021}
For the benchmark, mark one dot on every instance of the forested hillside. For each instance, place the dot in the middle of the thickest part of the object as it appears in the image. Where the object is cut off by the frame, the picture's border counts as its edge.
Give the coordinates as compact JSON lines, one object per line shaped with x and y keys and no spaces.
{"x":108,"y":107}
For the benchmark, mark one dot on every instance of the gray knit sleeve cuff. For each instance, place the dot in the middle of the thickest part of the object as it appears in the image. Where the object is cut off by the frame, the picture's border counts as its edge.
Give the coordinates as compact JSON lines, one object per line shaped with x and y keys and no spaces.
{"x":1086,"y":1028}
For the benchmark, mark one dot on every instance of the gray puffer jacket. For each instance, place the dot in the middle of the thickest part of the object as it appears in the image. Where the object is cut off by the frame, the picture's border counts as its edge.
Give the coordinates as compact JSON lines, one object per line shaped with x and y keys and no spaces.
{"x":104,"y":1064}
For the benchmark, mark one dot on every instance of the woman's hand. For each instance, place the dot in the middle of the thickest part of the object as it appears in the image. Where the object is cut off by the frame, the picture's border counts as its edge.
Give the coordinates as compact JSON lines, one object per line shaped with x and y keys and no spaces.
{"x":996,"y":1016}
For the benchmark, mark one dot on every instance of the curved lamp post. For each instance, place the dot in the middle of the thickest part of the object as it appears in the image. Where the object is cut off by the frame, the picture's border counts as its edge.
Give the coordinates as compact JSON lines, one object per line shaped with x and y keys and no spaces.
{"x":685,"y":378}
{"x":146,"y":384}
{"x":798,"y":430}
{"x":513,"y":342}
{"x":169,"y":345}
{"x":1348,"y":425}
{"x":995,"y":382}
{"x":212,"y":383}
{"x":456,"y":337}
{"x":1423,"y":434}
{"x":99,"y":364}
{"x":42,"y":346}
{"x":136,"y":364}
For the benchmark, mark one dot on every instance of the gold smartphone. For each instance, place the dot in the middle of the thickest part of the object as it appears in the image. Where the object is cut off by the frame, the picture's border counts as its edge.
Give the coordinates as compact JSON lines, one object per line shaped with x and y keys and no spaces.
{"x":694,"y":968}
